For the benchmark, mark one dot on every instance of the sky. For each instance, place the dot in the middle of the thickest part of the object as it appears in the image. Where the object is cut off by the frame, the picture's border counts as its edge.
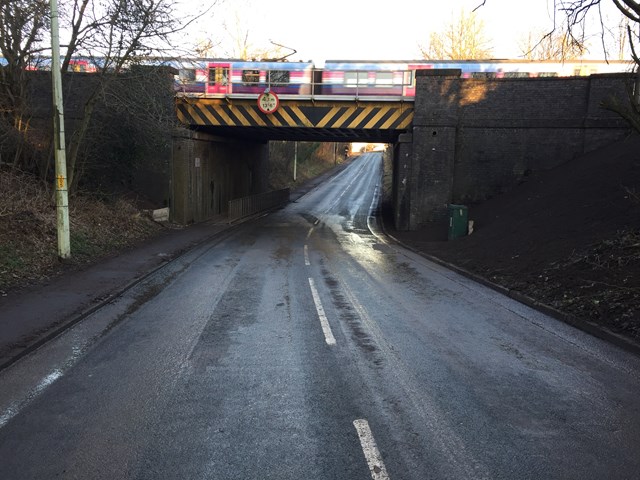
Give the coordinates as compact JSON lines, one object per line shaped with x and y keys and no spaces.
{"x":369,"y":29}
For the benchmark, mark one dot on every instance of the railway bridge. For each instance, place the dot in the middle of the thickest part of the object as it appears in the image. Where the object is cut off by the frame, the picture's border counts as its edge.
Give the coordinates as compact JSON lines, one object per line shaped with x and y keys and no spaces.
{"x":459,"y":140}
{"x":230,"y":135}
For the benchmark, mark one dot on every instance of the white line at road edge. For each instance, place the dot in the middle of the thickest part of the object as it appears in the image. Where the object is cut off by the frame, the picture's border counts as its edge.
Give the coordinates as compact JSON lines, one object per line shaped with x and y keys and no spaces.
{"x":13,"y":410}
{"x":326,"y":328}
{"x":306,"y":256}
{"x":370,"y":449}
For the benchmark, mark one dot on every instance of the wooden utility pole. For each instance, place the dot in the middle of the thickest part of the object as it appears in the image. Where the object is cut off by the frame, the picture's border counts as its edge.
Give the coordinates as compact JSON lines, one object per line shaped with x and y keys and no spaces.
{"x":62,"y":194}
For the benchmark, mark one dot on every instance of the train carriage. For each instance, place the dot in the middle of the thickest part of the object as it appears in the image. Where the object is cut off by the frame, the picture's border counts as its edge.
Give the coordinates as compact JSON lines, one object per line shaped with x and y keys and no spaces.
{"x":397,"y":78}
{"x":192,"y":76}
{"x":239,"y":77}
{"x":393,"y":79}
{"x":364,"y":78}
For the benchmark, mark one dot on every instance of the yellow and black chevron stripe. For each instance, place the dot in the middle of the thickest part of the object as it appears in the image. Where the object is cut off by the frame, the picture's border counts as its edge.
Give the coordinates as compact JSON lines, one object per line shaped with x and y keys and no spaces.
{"x":340,"y":115}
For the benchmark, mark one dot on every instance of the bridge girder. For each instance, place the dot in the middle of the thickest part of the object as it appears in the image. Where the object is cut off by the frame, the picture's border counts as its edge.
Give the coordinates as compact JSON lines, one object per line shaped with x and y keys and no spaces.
{"x":301,"y":120}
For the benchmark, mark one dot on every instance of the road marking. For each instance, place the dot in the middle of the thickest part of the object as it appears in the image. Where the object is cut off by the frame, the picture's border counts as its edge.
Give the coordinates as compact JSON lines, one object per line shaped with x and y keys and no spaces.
{"x":374,"y":203}
{"x":356,"y":176}
{"x":370,"y":450}
{"x":310,"y":232}
{"x":326,"y":328}
{"x":17,"y":407}
{"x":306,"y":256}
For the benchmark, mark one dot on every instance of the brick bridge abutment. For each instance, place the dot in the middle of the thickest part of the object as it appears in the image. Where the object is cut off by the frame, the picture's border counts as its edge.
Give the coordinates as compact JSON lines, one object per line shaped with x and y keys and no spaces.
{"x":472,"y":139}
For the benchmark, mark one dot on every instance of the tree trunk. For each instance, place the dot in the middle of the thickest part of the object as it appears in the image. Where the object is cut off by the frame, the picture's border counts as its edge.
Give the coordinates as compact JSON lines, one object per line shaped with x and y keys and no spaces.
{"x":77,"y":138}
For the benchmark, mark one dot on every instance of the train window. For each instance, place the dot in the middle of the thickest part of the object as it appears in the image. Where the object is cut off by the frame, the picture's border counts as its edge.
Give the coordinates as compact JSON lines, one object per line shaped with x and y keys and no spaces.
{"x":482,"y":75}
{"x":516,"y":74}
{"x":278,"y":77}
{"x":78,"y":66}
{"x":548,"y":74}
{"x":251,"y":77}
{"x":187,"y":74}
{"x":356,"y":78}
{"x":384,"y":78}
{"x":218,"y":75}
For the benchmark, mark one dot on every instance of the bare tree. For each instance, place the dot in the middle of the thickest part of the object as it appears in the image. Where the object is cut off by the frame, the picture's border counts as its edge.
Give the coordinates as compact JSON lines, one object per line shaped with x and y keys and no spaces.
{"x":463,"y":38}
{"x":22,"y":24}
{"x":238,"y":43}
{"x":578,"y":12}
{"x":553,"y":46}
{"x":205,"y":47}
{"x":575,"y":15}
{"x":574,"y":18}
{"x":116,"y":34}
{"x":620,"y":37}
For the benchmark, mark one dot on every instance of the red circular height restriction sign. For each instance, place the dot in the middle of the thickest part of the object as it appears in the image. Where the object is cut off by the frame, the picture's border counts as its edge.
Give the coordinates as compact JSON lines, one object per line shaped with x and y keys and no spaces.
{"x":268,"y":102}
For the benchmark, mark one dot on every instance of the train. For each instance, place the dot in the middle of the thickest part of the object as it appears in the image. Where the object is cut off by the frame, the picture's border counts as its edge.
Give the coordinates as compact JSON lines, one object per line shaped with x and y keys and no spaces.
{"x":224,"y":77}
{"x":393,"y":78}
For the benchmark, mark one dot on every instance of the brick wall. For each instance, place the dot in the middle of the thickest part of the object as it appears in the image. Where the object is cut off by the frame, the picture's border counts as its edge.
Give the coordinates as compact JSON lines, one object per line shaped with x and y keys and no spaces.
{"x":473,"y":139}
{"x":121,"y":149}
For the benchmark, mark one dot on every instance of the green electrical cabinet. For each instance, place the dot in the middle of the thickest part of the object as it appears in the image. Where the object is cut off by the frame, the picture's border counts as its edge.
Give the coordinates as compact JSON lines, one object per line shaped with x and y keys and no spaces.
{"x":458,"y":221}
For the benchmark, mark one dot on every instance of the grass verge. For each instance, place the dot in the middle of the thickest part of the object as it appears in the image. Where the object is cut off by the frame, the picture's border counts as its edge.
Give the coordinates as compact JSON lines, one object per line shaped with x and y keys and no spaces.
{"x":28,"y":234}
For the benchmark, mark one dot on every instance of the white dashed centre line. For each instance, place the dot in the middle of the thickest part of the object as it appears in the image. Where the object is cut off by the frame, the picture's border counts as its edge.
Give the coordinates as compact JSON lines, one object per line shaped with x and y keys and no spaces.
{"x":306,"y":256}
{"x":326,"y":328}
{"x":370,"y":449}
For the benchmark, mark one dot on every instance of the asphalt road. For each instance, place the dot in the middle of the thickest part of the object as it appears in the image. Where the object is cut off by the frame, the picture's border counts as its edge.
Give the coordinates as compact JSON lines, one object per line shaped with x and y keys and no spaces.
{"x":305,"y":345}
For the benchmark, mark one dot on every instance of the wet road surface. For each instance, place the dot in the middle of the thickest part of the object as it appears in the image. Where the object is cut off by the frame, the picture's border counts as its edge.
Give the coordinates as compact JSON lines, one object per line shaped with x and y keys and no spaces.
{"x":305,"y":345}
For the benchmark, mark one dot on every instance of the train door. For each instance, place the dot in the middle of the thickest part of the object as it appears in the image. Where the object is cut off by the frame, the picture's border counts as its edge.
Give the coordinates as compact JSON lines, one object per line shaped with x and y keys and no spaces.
{"x":316,"y":82}
{"x":219,"y":81}
{"x":410,"y":82}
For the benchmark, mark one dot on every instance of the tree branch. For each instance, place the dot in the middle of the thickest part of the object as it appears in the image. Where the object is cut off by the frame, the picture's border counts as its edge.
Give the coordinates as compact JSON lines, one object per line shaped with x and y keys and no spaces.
{"x":479,"y":6}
